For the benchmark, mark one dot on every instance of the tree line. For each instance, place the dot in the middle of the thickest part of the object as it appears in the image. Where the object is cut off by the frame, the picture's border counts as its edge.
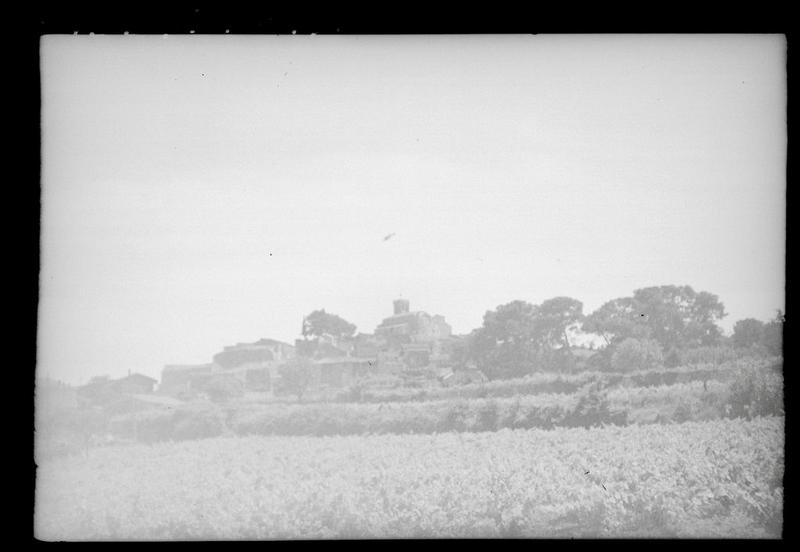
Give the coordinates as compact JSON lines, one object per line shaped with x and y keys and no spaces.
{"x":657,"y":325}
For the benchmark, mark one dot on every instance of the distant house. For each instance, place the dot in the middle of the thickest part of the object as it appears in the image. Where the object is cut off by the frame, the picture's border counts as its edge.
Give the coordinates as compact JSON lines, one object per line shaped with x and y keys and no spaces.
{"x":184,"y":379}
{"x":134,"y":383}
{"x":328,"y":350}
{"x":412,"y":340}
{"x":407,"y":342}
{"x":102,"y":391}
{"x":263,"y":350}
{"x":255,"y":365}
{"x":324,"y":347}
{"x":256,"y":376}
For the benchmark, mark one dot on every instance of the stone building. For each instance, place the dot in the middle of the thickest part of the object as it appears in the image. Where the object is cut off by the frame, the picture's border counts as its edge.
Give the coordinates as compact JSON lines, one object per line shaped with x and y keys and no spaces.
{"x":405,"y":326}
{"x":342,"y":371}
{"x":404,"y":343}
{"x":255,"y":365}
{"x":412,"y":337}
{"x":102,"y":391}
{"x":263,"y":350}
{"x":366,"y":346}
{"x":184,"y":379}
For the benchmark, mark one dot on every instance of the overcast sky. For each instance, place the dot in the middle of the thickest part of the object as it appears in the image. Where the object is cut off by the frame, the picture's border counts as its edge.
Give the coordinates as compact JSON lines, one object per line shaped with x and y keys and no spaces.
{"x":200,"y":191}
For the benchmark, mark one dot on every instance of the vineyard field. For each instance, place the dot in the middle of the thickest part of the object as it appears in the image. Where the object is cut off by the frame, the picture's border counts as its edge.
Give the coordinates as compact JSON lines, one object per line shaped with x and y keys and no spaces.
{"x":696,"y":479}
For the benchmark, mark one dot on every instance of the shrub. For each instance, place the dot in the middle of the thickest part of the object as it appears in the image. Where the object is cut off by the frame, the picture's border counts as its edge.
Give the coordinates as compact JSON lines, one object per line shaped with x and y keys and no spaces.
{"x":636,"y":354}
{"x":773,"y":335}
{"x":221,"y":388}
{"x":560,"y":361}
{"x":153,"y":425}
{"x":354,"y":393}
{"x":594,"y":409}
{"x":197,"y":421}
{"x":673,"y":359}
{"x":684,"y":411}
{"x":756,"y":391}
{"x":455,"y":416}
{"x":708,"y":355}
{"x":507,"y":412}
{"x":147,"y":426}
{"x":600,"y":361}
{"x":487,"y":416}
{"x":193,"y":421}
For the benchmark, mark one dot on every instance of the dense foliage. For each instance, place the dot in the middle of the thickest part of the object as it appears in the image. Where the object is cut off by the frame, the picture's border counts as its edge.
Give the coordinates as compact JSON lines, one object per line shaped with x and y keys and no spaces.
{"x":703,"y":392}
{"x":748,"y":332}
{"x":754,"y":334}
{"x":756,"y":392}
{"x":638,"y":398}
{"x":677,"y":317}
{"x":192,"y":421}
{"x":519,"y":338}
{"x":772,"y":340}
{"x":561,"y":383}
{"x":637,"y":354}
{"x":222,"y":388}
{"x":319,"y":323}
{"x":714,"y":479}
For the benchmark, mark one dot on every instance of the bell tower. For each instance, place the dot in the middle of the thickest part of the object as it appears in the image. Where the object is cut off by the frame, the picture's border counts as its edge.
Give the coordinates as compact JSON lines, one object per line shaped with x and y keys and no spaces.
{"x":401,"y":306}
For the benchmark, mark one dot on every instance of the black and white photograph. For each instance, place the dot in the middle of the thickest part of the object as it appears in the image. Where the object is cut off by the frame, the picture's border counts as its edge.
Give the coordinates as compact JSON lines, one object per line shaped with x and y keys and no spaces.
{"x":310,"y":286}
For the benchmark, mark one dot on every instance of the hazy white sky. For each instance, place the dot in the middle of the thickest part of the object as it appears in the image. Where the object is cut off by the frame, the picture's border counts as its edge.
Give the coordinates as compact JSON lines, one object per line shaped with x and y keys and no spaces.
{"x":200,"y":191}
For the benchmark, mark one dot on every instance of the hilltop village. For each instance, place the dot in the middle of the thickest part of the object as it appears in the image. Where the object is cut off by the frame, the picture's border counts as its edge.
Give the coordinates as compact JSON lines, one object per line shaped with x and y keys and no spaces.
{"x":409,"y":344}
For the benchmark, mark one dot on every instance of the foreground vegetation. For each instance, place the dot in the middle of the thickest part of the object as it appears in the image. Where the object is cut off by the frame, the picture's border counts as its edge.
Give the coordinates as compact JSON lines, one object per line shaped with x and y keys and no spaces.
{"x":712,"y":479}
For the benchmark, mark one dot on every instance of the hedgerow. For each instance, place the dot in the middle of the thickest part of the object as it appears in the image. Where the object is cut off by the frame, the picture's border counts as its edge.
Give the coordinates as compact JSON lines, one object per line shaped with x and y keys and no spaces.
{"x":549,"y":383}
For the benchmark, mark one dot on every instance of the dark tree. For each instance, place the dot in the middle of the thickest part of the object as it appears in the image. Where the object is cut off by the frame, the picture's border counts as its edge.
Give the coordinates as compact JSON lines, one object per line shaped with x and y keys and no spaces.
{"x":637,"y":354}
{"x":748,"y":332}
{"x":680,"y":317}
{"x":773,"y":335}
{"x":320,"y":322}
{"x":675,"y":316}
{"x":506,"y":345}
{"x":556,"y":316}
{"x":460,"y":350}
{"x":617,"y":320}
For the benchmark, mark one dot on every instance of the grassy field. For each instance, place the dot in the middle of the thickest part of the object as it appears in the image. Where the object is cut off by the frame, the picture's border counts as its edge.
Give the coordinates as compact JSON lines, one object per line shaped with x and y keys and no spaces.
{"x":696,"y":479}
